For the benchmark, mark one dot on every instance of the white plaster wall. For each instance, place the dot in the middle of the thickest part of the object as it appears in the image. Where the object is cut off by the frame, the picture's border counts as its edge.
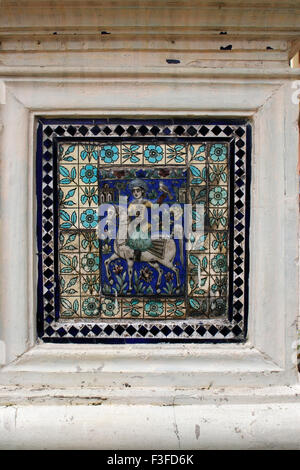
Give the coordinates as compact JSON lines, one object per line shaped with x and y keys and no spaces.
{"x":240,"y":396}
{"x":149,"y":427}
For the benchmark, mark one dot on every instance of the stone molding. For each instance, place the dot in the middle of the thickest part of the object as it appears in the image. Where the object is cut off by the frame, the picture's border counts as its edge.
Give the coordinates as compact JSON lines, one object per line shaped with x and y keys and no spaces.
{"x":241,"y":396}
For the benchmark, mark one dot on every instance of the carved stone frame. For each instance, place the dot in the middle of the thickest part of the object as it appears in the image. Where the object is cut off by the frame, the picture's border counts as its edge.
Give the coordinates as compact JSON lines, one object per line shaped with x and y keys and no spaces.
{"x":267,"y":357}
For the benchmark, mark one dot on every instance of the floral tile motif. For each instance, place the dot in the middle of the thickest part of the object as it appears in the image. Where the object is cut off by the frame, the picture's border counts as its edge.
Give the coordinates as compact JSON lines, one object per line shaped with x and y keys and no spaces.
{"x":132,"y":308}
{"x":200,"y":242}
{"x":89,"y":242}
{"x":218,"y":174}
{"x":176,"y":154}
{"x":89,"y":263}
{"x":198,"y":286}
{"x":218,"y":196}
{"x":218,"y":306}
{"x":88,"y":174}
{"x":154,"y":154}
{"x":67,"y":153}
{"x":218,"y":153}
{"x":68,"y":242}
{"x":68,"y":197}
{"x":219,"y":285}
{"x":88,"y":153}
{"x":87,"y":290}
{"x":69,"y":263}
{"x":197,"y":153}
{"x":111,"y":307}
{"x":132,"y":153}
{"x":68,"y":218}
{"x":69,"y":307}
{"x":154,"y":309}
{"x":70,"y":285}
{"x":68,"y":175}
{"x":88,"y":218}
{"x":175,"y":308}
{"x":218,"y":242}
{"x":90,"y":284}
{"x":198,"y":307}
{"x":218,"y":218}
{"x":90,"y":306}
{"x":88,"y":196}
{"x":109,"y":154}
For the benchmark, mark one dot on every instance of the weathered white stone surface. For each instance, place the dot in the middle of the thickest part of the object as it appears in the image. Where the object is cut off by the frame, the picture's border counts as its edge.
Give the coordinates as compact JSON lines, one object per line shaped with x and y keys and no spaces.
{"x":56,"y":61}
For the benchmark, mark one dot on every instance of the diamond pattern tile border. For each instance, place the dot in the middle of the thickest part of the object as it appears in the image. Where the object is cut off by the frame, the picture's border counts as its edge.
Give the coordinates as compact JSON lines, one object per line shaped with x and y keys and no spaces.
{"x":231,"y":329}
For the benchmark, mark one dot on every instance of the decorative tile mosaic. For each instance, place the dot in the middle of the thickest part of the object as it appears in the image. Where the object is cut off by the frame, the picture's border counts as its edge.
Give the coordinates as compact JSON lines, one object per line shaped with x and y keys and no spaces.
{"x":93,"y":290}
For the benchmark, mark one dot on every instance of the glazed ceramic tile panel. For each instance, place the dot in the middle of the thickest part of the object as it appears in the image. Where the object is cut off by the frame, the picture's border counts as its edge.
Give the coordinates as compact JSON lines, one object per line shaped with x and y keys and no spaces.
{"x":146,"y":290}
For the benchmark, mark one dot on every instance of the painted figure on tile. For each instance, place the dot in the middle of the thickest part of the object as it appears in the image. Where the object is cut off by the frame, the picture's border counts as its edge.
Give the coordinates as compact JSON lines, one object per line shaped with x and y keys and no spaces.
{"x":138,"y":246}
{"x":139,"y":239}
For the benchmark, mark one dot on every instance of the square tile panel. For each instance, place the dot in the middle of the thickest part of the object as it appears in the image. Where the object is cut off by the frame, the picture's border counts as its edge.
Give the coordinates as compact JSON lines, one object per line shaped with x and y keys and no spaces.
{"x":139,"y":288}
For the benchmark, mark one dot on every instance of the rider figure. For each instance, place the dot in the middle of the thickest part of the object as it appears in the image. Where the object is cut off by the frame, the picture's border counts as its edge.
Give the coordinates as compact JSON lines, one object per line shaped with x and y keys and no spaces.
{"x":139,"y":239}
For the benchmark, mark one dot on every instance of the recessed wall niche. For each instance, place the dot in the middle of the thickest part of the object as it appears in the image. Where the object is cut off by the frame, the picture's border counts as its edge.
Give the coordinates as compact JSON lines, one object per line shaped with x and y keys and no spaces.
{"x":141,"y":289}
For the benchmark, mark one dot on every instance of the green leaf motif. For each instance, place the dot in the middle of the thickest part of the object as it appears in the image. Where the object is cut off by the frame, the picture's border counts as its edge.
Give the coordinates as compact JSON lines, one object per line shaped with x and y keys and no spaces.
{"x":70,"y":149}
{"x":66,"y":225}
{"x":195,"y":261}
{"x":96,"y":243}
{"x":85,"y":287}
{"x":66,"y":270}
{"x":74,"y":262}
{"x":73,"y":173}
{"x":200,"y":149}
{"x":84,"y":244}
{"x":200,"y":292}
{"x":70,"y":291}
{"x":179,"y":313}
{"x":65,"y":260}
{"x":215,"y":244}
{"x":135,"y":313}
{"x":70,"y":193}
{"x":72,"y":281}
{"x":195,"y":304}
{"x":64,"y":171}
{"x":196,"y":180}
{"x":74,"y":218}
{"x":195,"y":171}
{"x":66,"y":303}
{"x":68,"y":313}
{"x":64,"y":215}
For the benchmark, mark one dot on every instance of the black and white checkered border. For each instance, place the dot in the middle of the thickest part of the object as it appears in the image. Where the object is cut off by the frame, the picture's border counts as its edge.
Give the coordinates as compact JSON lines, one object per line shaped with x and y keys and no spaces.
{"x":120,"y":329}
